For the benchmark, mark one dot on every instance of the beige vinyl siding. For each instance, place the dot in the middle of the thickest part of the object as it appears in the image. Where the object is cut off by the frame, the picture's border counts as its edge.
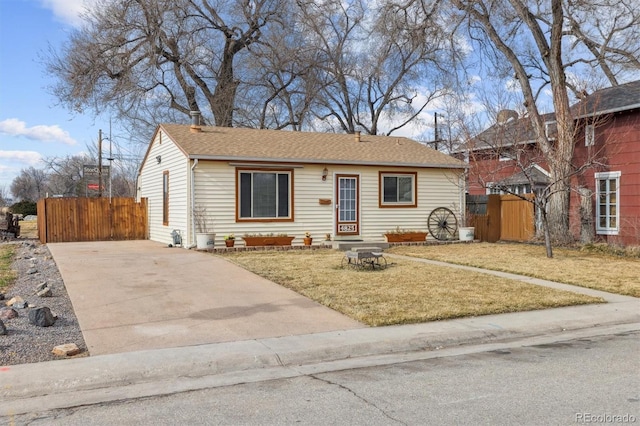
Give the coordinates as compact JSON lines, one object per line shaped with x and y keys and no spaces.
{"x":215,"y":187}
{"x":435,"y":188}
{"x":150,"y":184}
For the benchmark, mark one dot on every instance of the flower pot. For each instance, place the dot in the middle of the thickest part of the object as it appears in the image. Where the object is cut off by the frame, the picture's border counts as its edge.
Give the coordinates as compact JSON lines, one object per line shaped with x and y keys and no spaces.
{"x":466,"y":233}
{"x":205,"y":241}
{"x":307,"y":241}
{"x":229,"y":243}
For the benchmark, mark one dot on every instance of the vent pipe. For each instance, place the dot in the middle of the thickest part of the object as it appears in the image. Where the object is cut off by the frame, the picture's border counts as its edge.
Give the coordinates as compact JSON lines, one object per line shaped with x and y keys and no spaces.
{"x":357,"y":135}
{"x":195,"y":121}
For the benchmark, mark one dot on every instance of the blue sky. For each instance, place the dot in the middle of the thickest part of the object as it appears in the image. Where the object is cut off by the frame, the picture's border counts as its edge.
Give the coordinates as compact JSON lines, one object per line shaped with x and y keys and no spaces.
{"x":31,"y":125}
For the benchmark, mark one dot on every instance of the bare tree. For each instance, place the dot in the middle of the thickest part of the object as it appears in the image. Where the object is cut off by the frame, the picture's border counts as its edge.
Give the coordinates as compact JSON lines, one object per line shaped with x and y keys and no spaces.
{"x":154,"y":60}
{"x":31,"y":184}
{"x":5,"y":197}
{"x":379,"y":64}
{"x":531,"y":38}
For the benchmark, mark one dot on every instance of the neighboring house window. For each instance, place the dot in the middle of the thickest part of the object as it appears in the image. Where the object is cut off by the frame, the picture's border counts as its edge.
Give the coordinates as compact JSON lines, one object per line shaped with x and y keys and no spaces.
{"x":519,"y":189}
{"x":165,"y":198}
{"x":608,"y":203}
{"x":397,"y":189}
{"x":589,"y":135}
{"x":265,"y":195}
{"x":551,"y":129}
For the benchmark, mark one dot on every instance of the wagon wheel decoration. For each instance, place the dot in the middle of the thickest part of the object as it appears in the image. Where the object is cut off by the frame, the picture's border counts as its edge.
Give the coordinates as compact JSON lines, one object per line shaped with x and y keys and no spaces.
{"x":442,"y":224}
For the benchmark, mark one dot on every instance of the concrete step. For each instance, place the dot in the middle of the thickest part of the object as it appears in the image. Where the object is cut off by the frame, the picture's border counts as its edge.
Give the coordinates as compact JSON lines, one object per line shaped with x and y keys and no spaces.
{"x":345,"y":245}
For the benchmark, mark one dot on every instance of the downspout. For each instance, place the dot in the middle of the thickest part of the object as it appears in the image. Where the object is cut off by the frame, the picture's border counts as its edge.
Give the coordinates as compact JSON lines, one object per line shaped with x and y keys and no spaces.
{"x":193,"y":203}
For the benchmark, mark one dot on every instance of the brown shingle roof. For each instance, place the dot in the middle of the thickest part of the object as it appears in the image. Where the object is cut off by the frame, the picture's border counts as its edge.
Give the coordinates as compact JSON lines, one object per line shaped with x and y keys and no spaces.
{"x":240,"y":144}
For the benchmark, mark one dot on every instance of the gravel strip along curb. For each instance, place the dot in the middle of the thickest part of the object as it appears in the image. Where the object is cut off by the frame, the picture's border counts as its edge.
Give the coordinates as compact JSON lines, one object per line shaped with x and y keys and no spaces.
{"x":26,"y":343}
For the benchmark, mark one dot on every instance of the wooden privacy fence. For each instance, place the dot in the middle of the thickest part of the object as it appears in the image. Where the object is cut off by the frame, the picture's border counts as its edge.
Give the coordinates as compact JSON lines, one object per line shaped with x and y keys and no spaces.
{"x":91,"y":219}
{"x":501,"y":217}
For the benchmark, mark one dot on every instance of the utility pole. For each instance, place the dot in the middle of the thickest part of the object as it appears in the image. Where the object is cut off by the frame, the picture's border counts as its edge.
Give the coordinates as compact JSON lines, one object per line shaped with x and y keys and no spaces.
{"x":436,"y":136}
{"x":100,"y":163}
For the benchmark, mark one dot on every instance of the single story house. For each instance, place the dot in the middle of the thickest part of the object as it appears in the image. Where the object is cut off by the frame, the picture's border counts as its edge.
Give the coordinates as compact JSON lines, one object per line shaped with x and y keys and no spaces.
{"x":333,"y":186}
{"x":605,"y":187}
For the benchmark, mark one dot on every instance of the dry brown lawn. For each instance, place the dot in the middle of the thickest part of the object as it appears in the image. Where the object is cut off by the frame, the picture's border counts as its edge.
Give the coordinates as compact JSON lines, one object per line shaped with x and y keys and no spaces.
{"x":405,"y":292}
{"x":571,"y":266}
{"x":29,"y":229}
{"x":7,"y":275}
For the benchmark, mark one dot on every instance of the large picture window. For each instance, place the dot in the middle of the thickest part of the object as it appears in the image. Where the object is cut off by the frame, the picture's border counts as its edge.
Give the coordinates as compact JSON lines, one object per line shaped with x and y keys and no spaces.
{"x":264,"y":195}
{"x":607,"y":203}
{"x":398,"y":189}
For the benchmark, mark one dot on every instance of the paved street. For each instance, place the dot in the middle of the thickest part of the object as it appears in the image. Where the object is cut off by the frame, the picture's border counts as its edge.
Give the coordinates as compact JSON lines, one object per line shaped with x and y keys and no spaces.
{"x":586,"y":380}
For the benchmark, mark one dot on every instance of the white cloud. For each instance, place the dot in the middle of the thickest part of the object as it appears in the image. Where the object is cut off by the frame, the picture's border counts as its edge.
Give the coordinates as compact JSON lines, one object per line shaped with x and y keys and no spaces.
{"x":67,"y":11}
{"x":15,"y":127}
{"x":30,"y":158}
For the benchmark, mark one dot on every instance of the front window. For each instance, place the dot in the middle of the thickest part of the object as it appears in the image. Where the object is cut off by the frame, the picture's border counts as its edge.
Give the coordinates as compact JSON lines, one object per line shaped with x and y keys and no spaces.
{"x":397,"y":189}
{"x":607,"y":203}
{"x":264,"y":195}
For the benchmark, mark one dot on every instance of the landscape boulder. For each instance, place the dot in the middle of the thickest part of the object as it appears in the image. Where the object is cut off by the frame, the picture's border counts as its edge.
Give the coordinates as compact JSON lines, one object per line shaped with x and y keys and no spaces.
{"x":68,"y":349}
{"x":14,"y":300}
{"x":8,"y":313}
{"x":45,"y":292}
{"x":41,"y":317}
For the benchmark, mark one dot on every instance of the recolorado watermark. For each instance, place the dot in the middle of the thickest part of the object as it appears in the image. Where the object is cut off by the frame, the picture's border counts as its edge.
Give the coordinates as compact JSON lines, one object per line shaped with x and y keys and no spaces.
{"x":605,"y":418}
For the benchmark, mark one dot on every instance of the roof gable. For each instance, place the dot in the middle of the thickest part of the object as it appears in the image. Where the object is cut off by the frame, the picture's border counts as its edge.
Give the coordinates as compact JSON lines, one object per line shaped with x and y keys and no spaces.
{"x":241,"y":144}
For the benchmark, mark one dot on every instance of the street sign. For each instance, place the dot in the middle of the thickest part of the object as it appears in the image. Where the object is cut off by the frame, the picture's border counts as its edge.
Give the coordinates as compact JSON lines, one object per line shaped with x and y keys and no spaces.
{"x":94,"y":171}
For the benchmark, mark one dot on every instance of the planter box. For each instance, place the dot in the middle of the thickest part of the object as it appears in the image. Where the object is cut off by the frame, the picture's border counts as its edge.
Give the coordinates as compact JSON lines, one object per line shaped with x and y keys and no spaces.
{"x":267,"y":241}
{"x":406,"y":237}
{"x":466,"y":233}
{"x":205,"y":241}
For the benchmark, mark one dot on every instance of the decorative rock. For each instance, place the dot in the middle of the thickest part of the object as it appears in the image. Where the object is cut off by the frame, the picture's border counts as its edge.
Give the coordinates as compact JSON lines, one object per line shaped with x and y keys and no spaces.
{"x":8,"y":313}
{"x":41,"y":286}
{"x":1,"y":296}
{"x":21,"y":305}
{"x":45,"y":292}
{"x":3,"y":329}
{"x":32,"y":271}
{"x":42,"y":317}
{"x":13,"y":300}
{"x":68,"y":349}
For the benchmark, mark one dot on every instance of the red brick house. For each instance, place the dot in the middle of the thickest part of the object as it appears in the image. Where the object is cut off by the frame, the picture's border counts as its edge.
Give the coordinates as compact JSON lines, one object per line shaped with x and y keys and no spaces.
{"x":605,"y":200}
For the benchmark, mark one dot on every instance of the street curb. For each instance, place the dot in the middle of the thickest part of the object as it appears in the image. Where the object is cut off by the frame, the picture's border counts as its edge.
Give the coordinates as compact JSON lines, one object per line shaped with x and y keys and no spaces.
{"x":26,"y":381}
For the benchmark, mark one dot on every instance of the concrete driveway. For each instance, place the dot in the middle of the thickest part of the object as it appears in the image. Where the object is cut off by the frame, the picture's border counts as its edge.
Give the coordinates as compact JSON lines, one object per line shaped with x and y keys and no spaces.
{"x":137,"y":295}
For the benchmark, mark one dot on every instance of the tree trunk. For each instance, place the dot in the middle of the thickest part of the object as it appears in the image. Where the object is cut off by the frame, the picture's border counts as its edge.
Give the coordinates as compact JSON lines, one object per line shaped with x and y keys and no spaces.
{"x":223,"y":100}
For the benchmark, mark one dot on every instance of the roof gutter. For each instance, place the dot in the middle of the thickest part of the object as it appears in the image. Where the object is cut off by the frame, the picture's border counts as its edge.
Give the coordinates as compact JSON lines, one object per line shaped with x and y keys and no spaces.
{"x":324,"y":161}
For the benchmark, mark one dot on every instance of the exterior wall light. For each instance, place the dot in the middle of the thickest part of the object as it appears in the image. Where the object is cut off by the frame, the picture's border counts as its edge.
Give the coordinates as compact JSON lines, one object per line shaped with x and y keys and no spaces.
{"x":325,"y":172}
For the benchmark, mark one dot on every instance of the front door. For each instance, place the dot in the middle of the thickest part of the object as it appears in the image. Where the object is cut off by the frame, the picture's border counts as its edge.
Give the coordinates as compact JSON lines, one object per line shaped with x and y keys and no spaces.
{"x":348,"y":206}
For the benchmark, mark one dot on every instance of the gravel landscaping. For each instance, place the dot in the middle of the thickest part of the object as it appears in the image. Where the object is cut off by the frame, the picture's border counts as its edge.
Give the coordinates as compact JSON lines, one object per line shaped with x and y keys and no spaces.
{"x":25,"y":342}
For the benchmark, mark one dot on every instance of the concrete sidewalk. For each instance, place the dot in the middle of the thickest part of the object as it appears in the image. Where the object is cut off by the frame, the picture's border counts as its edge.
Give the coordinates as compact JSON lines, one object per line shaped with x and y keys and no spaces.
{"x":142,"y":295}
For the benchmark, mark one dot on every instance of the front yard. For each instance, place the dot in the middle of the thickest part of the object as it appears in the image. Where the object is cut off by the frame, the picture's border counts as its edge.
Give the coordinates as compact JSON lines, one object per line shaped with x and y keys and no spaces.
{"x":598,"y":271}
{"x":405,"y":292}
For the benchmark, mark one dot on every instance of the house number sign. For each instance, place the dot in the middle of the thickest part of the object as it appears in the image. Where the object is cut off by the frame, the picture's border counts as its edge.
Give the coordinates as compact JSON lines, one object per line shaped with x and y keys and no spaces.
{"x":347,"y":228}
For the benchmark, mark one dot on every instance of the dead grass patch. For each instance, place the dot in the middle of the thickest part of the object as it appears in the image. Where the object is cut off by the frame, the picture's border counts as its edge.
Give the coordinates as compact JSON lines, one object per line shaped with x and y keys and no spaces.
{"x":7,"y":275}
{"x":405,"y":292}
{"x":29,"y":229}
{"x":598,"y":271}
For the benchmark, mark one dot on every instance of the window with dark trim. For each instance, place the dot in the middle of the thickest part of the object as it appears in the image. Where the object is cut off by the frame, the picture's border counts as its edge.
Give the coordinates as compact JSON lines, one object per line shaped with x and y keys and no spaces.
{"x":265,"y":195}
{"x":165,"y":198}
{"x":398,"y":189}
